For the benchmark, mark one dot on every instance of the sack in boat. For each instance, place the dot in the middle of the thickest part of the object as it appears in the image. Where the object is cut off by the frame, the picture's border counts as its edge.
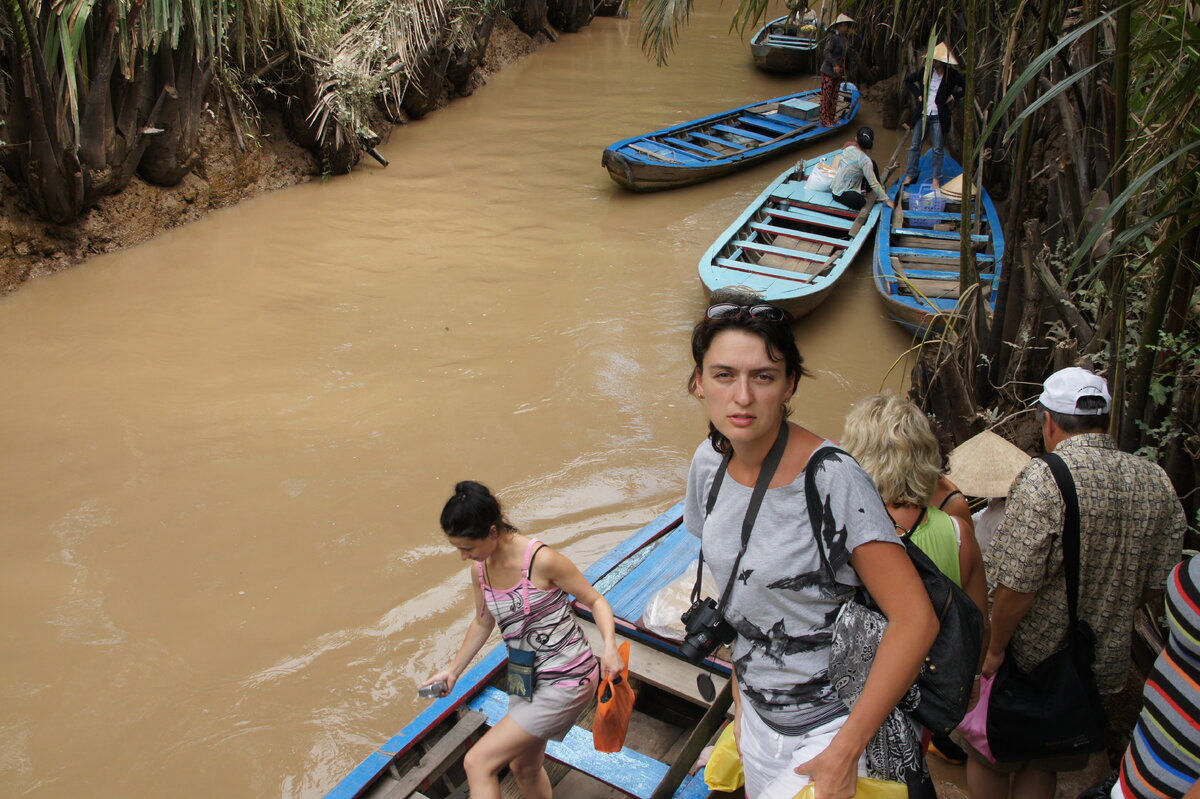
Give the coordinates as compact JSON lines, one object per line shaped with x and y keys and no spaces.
{"x":614,"y":707}
{"x":723,"y":772}
{"x":821,"y":177}
{"x":867,"y":789}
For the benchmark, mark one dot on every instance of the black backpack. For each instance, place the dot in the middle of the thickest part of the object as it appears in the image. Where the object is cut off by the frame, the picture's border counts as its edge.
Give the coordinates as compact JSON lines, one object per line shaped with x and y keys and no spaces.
{"x":948,"y":673}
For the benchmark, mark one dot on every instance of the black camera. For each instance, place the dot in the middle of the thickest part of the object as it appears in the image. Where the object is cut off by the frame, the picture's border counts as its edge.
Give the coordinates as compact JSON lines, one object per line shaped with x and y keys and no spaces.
{"x":706,"y":629}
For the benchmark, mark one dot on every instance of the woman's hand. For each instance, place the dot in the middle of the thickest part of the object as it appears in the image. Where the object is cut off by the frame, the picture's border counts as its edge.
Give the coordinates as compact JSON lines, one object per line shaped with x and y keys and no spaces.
{"x":447,"y":677}
{"x":611,"y":663}
{"x":991,"y":663}
{"x":737,"y":727}
{"x":834,"y":773}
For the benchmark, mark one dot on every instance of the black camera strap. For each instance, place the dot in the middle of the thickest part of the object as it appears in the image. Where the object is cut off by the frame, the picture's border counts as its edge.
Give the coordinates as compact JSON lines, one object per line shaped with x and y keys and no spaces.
{"x":765,"y":475}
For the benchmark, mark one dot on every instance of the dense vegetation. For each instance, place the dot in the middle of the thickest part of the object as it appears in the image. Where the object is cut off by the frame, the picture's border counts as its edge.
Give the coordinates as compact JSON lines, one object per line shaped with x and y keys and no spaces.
{"x":1085,"y":120}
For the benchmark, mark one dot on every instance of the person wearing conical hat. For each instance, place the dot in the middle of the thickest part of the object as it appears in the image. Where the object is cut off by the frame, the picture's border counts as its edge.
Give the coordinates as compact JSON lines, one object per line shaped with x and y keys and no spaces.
{"x":985,"y":465}
{"x":833,"y":68}
{"x":932,"y":116}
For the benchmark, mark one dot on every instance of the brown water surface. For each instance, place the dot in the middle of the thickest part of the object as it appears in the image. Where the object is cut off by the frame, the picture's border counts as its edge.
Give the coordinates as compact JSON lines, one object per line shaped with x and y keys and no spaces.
{"x":224,"y":452}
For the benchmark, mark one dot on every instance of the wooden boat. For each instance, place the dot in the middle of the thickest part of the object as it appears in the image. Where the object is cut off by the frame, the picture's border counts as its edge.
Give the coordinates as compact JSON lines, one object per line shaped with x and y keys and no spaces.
{"x":424,"y":760}
{"x":716,"y":145}
{"x":787,"y":45}
{"x":917,"y":252}
{"x":791,"y":245}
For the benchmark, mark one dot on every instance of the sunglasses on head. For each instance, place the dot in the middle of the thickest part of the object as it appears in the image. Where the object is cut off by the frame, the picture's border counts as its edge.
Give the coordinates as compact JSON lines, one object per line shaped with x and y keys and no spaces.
{"x":731,"y":310}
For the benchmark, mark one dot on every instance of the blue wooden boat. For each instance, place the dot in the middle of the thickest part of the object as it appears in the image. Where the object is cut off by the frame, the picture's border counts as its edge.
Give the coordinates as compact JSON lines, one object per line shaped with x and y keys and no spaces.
{"x":791,"y":245}
{"x":424,"y":760}
{"x":917,"y":252}
{"x":788,"y":45}
{"x":705,"y":148}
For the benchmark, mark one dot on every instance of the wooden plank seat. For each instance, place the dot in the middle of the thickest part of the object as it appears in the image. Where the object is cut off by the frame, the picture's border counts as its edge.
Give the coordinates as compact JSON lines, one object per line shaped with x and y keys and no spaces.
{"x":938,"y":255}
{"x":836,"y":222}
{"x":692,"y":146}
{"x":627,"y":770}
{"x":935,"y":289}
{"x":929,"y":233}
{"x":763,"y":271}
{"x":781,"y":119}
{"x":798,"y":234}
{"x":934,"y":274}
{"x":757,"y":246}
{"x":438,"y":757}
{"x":664,"y":153}
{"x":695,"y":134}
{"x":764,"y":123}
{"x":749,"y":134}
{"x":936,"y":216}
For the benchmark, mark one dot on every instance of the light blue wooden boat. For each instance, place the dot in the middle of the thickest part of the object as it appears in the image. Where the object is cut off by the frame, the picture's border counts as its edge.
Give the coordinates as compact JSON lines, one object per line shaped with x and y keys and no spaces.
{"x":715,"y":145}
{"x":916,"y":264}
{"x":787,"y":47}
{"x":425,"y":758}
{"x":791,"y":245}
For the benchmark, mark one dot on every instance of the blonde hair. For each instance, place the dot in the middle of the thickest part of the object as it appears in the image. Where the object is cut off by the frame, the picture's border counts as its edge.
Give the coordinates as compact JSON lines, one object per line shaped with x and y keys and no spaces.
{"x":891,"y":439}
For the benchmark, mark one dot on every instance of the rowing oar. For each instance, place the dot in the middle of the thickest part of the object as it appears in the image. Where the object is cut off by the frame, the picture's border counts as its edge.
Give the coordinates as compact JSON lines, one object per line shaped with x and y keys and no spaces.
{"x":709,"y":724}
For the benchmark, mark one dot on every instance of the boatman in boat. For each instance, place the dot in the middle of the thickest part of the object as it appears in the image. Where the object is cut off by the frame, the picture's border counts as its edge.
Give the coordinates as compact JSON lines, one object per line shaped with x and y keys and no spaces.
{"x":932,"y":115}
{"x":833,"y":68}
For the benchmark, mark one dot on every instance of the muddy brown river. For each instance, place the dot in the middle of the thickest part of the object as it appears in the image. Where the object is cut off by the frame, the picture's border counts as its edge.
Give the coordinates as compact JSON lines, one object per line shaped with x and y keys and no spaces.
{"x":224,"y":452}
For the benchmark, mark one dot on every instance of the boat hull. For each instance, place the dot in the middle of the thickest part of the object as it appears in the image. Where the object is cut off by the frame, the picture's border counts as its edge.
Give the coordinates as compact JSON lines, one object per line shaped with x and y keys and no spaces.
{"x":786,"y":49}
{"x":916,"y":265}
{"x":791,"y":245}
{"x":712,"y":146}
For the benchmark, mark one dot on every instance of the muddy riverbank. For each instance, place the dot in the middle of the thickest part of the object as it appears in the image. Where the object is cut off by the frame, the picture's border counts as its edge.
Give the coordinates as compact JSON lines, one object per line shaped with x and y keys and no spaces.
{"x":228,"y":173}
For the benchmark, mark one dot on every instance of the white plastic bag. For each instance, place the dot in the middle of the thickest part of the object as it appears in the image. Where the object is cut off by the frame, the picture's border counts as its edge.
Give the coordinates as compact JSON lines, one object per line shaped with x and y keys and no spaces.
{"x":662,"y":612}
{"x":821,"y":177}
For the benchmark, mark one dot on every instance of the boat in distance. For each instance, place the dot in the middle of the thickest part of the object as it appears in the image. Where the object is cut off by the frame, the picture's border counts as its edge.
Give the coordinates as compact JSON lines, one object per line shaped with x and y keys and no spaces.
{"x":791,"y":245}
{"x":718,"y":144}
{"x":916,"y":266}
{"x":787,"y":45}
{"x":671,"y":720}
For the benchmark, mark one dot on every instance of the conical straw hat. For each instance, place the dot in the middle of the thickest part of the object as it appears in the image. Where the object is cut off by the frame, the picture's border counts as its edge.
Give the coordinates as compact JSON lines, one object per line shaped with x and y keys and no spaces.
{"x":942,"y":53}
{"x":953,"y":187}
{"x":986,"y":465}
{"x":843,"y":18}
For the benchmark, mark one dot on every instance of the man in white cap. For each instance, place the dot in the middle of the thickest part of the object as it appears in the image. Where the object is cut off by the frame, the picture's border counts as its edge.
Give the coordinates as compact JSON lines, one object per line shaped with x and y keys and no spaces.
{"x":946,"y":86}
{"x":1131,"y":526}
{"x":833,"y":68}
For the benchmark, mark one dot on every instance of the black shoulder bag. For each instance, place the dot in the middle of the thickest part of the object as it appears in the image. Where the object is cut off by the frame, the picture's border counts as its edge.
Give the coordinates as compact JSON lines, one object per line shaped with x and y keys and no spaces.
{"x":1054,"y":709}
{"x":948,"y":673}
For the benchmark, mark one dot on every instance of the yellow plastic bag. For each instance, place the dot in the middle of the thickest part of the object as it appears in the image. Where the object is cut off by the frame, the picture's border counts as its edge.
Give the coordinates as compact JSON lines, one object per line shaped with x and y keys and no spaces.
{"x":724,"y":769}
{"x":867,"y":789}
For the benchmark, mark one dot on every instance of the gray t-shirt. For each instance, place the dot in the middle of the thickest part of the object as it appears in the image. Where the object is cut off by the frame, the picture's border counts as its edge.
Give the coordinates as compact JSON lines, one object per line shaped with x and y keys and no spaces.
{"x":783,"y":605}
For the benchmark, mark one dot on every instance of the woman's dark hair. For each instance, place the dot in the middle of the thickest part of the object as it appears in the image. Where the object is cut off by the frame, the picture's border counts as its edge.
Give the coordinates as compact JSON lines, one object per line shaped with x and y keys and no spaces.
{"x":865,"y":138}
{"x":777,"y":336}
{"x":472,"y":512}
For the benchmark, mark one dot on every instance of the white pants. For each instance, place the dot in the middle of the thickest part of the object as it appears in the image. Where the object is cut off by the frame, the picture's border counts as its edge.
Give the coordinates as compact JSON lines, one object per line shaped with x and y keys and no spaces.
{"x":768,"y":757}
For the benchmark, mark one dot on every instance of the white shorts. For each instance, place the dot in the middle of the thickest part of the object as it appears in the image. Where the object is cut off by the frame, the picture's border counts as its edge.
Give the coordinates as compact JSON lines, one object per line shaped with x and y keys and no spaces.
{"x":768,"y":757}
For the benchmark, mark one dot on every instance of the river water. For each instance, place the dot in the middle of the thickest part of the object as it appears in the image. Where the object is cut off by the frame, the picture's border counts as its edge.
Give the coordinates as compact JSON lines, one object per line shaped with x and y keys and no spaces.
{"x":224,"y":452}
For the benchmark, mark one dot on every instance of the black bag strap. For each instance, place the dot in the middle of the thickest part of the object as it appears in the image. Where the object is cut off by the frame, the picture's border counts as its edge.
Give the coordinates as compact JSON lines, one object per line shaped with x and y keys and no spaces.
{"x":1070,"y":535}
{"x":816,"y":508}
{"x":765,"y":475}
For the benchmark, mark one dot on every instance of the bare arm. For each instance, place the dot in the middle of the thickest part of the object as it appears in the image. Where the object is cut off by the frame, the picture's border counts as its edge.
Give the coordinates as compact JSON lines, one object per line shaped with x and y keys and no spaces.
{"x":558,"y":570}
{"x":889,"y":576}
{"x":970,"y":567}
{"x":477,"y":635}
{"x":1008,"y":608}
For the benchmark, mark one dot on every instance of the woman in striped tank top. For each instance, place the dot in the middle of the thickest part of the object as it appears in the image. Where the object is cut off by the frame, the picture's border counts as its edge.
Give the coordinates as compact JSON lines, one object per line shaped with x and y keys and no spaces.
{"x":523,"y":585}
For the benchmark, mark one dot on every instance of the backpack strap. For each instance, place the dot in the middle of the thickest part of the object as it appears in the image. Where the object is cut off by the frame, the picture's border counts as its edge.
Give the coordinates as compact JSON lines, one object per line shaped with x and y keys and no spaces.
{"x":816,"y":508}
{"x":1070,"y":534}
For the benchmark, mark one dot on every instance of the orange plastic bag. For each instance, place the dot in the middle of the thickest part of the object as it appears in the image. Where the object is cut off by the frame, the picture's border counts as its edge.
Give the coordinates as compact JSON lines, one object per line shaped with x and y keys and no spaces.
{"x":614,"y":706}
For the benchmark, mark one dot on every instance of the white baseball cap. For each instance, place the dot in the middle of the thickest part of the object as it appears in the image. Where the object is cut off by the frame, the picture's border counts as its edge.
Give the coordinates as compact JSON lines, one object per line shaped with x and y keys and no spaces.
{"x":1063,"y":389}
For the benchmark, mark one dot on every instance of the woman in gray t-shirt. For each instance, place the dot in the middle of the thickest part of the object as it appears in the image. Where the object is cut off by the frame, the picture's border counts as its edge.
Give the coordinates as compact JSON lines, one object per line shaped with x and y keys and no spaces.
{"x":790,"y":724}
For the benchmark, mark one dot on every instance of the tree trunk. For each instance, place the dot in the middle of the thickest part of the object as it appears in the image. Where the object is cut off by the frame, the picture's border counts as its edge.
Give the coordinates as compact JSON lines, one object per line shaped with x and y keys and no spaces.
{"x":183,"y":84}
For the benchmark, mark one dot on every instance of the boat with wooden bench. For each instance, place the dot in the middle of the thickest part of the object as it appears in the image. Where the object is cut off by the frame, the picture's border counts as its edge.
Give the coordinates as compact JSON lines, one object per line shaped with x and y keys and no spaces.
{"x":917,"y":262}
{"x":787,"y":45}
{"x":791,"y":245}
{"x":671,"y":721}
{"x":718,"y":144}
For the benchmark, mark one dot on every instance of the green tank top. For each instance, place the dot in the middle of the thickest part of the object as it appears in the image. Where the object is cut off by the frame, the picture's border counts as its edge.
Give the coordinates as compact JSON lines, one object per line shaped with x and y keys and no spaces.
{"x":936,"y":538}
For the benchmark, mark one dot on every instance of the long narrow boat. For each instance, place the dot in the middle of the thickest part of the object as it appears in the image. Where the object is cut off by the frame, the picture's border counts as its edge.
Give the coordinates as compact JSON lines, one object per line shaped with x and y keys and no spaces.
{"x":705,"y":148}
{"x":424,"y":760}
{"x":917,"y":252}
{"x":791,"y":245}
{"x":787,"y":45}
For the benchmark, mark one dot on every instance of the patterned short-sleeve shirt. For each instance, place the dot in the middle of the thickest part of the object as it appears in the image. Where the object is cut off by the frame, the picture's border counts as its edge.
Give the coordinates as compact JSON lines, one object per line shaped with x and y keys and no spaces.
{"x":1130,"y":528}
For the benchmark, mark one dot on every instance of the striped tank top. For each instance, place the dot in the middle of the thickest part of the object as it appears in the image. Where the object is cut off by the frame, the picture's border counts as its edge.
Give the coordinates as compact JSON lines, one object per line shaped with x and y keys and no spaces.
{"x":1163,"y":759}
{"x":541,"y":621}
